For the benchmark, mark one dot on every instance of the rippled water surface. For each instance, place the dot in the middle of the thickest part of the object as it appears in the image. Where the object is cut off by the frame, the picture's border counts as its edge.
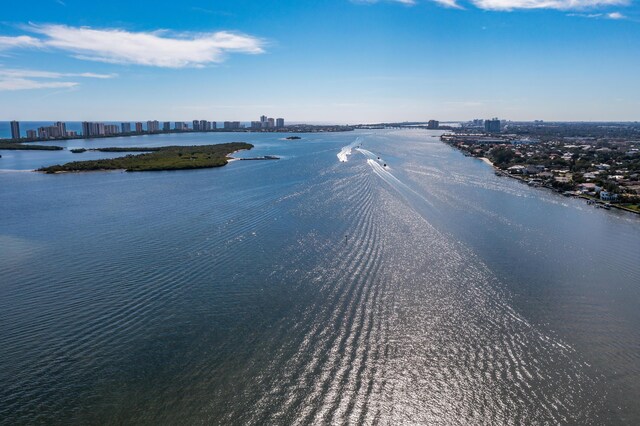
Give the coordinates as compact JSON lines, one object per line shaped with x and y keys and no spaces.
{"x":321,"y":288}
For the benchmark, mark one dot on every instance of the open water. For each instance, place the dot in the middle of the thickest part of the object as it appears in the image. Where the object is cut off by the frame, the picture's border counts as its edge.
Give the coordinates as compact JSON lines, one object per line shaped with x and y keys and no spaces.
{"x":320,"y":288}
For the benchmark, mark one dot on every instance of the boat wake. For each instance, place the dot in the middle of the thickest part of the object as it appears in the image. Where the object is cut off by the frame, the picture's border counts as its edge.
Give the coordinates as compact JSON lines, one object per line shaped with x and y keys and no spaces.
{"x":381,"y":169}
{"x":345,"y":152}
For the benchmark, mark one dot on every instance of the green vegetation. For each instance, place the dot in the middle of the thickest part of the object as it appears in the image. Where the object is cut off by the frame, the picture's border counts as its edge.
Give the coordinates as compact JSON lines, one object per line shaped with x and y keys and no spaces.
{"x":14,"y":146}
{"x":78,"y":150}
{"x":293,"y":138}
{"x":129,"y":149}
{"x":634,"y":207}
{"x":164,"y":158}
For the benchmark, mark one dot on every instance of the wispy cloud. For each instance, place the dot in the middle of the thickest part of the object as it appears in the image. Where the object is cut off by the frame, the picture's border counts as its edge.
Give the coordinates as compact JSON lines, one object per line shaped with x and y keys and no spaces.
{"x":157,"y":48}
{"x":509,"y":5}
{"x":7,"y":43}
{"x":612,"y":15}
{"x":11,"y":84}
{"x":21,"y":79}
{"x":616,"y":15}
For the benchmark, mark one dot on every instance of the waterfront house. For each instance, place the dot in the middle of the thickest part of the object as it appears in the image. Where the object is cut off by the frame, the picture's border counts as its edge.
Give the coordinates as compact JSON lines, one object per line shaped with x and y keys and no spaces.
{"x":516,"y":170}
{"x":608,"y":196}
{"x":563,"y":179}
{"x":545,"y":175}
{"x":589,"y":188}
{"x":530,"y":170}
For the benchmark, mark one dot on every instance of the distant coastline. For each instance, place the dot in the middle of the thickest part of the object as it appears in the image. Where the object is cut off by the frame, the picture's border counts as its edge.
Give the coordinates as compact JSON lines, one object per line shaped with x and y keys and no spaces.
{"x":28,"y":143}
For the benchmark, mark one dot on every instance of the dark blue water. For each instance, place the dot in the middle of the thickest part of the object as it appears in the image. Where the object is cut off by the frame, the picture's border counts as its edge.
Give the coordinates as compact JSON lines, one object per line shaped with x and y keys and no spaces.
{"x":310,"y":290}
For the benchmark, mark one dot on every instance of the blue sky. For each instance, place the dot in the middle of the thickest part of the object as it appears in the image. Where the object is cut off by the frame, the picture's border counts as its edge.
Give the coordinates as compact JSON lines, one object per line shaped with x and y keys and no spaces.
{"x":320,"y":61}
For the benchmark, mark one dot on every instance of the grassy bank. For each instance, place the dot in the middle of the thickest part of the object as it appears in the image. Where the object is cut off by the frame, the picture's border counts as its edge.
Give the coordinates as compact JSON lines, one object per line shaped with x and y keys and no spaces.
{"x":164,"y":158}
{"x":24,"y":147}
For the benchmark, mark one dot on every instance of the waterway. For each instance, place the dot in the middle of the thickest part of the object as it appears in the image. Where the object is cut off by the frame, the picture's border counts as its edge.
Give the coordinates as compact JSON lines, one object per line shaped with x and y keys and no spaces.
{"x":324,"y":287}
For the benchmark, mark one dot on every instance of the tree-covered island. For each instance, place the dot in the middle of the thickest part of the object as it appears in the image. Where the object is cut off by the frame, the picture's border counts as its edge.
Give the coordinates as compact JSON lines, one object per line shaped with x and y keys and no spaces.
{"x":157,"y":159}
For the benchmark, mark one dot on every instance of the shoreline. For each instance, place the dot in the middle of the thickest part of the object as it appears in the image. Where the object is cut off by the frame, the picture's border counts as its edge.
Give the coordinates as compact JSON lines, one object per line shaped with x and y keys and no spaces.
{"x":295,"y":130}
{"x":598,"y":203}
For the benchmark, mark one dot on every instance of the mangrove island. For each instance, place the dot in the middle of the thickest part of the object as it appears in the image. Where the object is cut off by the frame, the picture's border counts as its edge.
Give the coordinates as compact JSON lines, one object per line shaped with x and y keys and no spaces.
{"x":156,"y":159}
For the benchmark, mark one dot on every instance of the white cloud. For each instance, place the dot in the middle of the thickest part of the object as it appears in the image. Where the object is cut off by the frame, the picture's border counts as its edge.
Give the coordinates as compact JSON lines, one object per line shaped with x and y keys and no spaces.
{"x":22,"y":73}
{"x":157,"y":48}
{"x":616,"y":15}
{"x":612,"y":15}
{"x":508,"y":5}
{"x":28,"y":84}
{"x":21,"y":79}
{"x":448,"y":3}
{"x":545,"y":4}
{"x":18,"y":42}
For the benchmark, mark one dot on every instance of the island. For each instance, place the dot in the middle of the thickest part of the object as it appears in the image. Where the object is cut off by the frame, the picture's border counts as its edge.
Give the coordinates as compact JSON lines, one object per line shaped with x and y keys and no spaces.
{"x":19,"y":146}
{"x":157,"y":159}
{"x":293,"y":138}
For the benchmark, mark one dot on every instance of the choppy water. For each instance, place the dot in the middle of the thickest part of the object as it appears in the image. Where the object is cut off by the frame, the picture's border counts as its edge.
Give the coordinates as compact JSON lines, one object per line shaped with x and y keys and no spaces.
{"x":321,"y":288}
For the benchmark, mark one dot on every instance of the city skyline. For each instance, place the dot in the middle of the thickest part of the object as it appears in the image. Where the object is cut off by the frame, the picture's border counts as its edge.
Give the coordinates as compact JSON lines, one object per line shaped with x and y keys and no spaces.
{"x":58,"y":130}
{"x":368,"y":61}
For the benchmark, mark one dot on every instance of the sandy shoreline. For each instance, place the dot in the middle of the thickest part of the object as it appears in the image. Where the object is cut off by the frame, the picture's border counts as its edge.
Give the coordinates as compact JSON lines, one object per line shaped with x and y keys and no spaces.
{"x":231,"y":159}
{"x":487,"y":161}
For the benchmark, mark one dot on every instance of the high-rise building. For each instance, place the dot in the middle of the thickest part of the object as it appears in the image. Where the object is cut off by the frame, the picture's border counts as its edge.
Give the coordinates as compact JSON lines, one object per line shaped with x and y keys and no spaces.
{"x":231,"y":125}
{"x":263,"y":118}
{"x":166,"y":126}
{"x":139,"y":128}
{"x":62,"y":129}
{"x":204,"y":125}
{"x":433,"y":124}
{"x":492,"y":126}
{"x":125,"y":127}
{"x":214,"y":125}
{"x":15,"y":130}
{"x":153,"y":126}
{"x":90,"y":129}
{"x":279,"y":123}
{"x":111,"y":129}
{"x":43,"y":133}
{"x":196,"y":125}
{"x":32,"y":134}
{"x":50,"y":132}
{"x":179,"y":125}
{"x":256,"y":125}
{"x":272,"y":122}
